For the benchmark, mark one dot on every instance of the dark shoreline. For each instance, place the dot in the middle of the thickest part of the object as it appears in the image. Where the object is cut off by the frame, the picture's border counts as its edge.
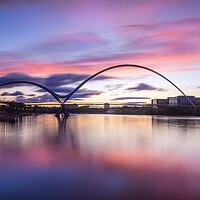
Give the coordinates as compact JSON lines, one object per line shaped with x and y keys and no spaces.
{"x":168,"y":111}
{"x":13,"y":117}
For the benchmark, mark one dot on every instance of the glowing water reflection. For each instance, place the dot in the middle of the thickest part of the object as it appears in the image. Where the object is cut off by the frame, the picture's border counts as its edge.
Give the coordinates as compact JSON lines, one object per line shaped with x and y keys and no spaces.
{"x":100,"y":157}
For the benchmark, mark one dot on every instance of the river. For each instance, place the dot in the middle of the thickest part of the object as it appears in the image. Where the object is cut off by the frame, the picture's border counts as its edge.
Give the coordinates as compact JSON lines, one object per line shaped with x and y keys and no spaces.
{"x":100,"y":157}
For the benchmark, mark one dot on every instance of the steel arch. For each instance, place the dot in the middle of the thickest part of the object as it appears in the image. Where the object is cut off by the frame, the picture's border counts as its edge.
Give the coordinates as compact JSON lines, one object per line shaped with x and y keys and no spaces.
{"x":68,"y":96}
{"x":56,"y":96}
{"x":125,"y":65}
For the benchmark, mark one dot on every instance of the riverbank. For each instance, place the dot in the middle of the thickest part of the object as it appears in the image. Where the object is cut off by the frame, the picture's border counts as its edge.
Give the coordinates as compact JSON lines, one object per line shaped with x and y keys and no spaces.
{"x":167,"y":111}
{"x":12,"y":117}
{"x":170,"y":111}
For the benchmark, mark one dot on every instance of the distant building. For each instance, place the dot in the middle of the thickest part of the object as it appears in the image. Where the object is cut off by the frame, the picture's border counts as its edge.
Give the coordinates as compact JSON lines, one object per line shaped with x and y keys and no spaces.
{"x":197,"y":101}
{"x":175,"y":101}
{"x":106,"y":106}
{"x":181,"y":101}
{"x":159,"y":102}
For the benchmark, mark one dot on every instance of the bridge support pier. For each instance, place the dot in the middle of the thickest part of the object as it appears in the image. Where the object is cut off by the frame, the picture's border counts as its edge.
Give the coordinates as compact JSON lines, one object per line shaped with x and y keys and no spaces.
{"x":63,"y":110}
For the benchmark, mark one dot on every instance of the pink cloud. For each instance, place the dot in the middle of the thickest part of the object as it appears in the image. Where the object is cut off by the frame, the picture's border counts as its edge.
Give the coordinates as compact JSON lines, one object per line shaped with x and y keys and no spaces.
{"x":163,"y":63}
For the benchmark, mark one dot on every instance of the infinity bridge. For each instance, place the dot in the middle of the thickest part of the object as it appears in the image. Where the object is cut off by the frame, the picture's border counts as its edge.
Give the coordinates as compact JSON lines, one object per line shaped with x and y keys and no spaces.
{"x":62,"y":99}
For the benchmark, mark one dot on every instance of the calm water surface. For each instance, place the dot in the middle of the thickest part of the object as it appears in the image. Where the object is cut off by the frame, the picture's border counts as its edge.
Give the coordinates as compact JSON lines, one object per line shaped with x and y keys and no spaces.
{"x":100,"y":157}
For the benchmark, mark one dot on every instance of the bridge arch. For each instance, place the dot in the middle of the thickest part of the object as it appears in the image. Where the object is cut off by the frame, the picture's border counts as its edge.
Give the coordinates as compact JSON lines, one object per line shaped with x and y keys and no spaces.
{"x":56,"y":96}
{"x":68,"y":96}
{"x":120,"y":66}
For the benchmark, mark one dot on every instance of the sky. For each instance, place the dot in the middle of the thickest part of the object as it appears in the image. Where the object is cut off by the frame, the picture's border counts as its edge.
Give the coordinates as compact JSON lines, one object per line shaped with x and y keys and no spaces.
{"x":59,"y":43}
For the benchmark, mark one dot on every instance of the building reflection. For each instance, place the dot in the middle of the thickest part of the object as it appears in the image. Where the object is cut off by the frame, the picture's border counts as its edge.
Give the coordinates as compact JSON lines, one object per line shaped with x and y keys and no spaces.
{"x":183,"y":125}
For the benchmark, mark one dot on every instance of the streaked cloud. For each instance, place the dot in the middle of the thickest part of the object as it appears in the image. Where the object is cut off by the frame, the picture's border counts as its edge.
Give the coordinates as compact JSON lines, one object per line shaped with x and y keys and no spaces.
{"x":53,"y":80}
{"x":56,"y":82}
{"x":131,"y":98}
{"x":80,"y":95}
{"x":17,"y":93}
{"x":144,"y":87}
{"x":37,"y":99}
{"x":67,"y":46}
{"x":114,"y":87}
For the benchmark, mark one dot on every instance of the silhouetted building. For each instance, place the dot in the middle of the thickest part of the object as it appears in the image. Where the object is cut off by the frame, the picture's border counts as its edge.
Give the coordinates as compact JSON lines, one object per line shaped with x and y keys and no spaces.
{"x":106,"y":105}
{"x":175,"y":101}
{"x":197,"y":101}
{"x":181,"y":101}
{"x":159,"y":102}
